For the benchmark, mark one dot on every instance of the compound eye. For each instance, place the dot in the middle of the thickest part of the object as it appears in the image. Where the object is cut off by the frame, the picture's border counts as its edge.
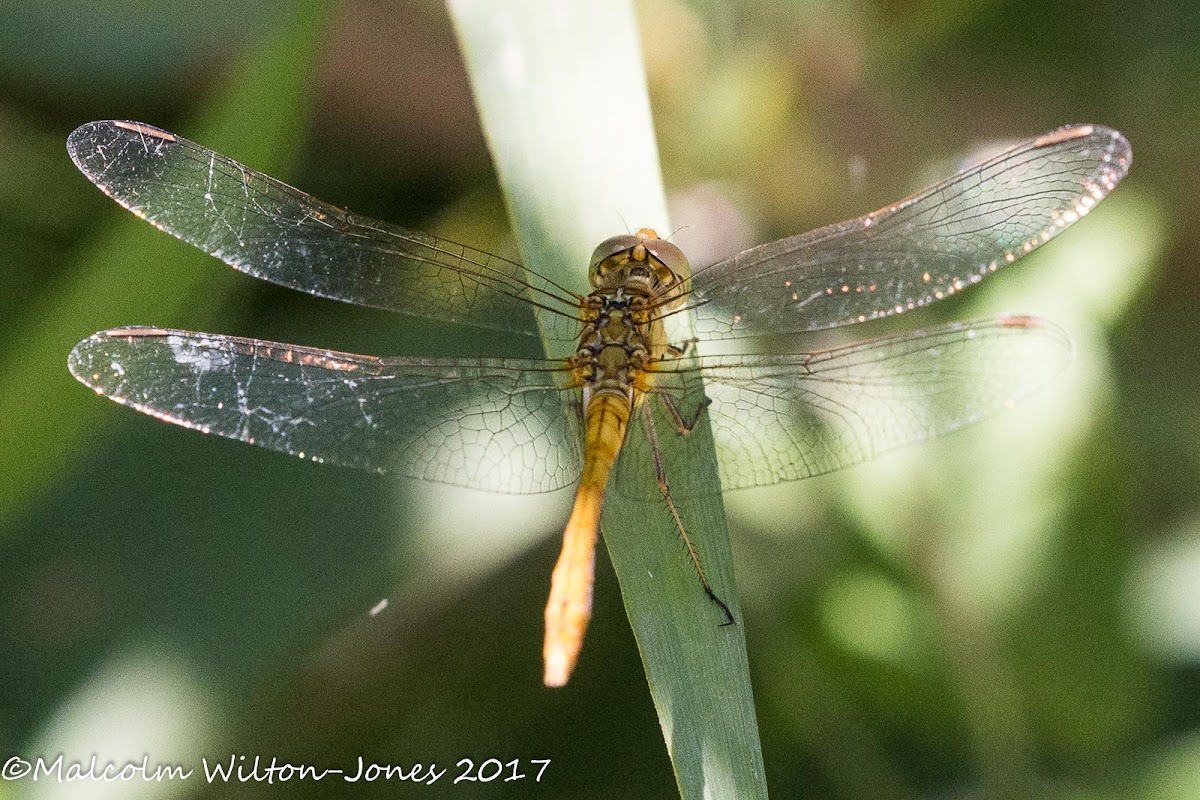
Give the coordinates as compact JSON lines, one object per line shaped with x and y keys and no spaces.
{"x":610,"y":247}
{"x":670,"y":257}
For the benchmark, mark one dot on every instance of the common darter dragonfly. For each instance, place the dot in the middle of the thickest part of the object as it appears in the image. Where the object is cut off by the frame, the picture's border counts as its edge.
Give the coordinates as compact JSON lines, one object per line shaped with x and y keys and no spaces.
{"x":529,"y":425}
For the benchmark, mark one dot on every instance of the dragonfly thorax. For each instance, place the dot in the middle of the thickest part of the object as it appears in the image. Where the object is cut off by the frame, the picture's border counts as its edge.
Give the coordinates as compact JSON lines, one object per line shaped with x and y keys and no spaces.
{"x":634,"y":278}
{"x":617,"y":341}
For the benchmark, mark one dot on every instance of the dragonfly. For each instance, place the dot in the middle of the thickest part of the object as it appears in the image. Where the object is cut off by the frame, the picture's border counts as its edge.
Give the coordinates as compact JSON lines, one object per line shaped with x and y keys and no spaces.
{"x":524,"y":425}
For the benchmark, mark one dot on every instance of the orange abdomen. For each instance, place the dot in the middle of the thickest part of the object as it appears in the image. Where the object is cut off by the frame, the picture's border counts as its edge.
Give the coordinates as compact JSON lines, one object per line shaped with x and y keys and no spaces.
{"x":570,"y":604}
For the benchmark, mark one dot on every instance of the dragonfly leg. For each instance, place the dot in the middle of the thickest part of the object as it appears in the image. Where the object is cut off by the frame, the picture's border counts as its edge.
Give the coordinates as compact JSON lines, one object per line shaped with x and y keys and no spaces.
{"x":677,"y":351}
{"x":683,"y":423}
{"x":660,"y":474}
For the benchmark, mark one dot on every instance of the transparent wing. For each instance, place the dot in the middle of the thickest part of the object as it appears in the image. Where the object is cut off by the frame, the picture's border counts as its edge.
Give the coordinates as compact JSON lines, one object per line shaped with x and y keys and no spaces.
{"x":269,"y":230}
{"x":919,"y":250}
{"x":495,"y":424}
{"x":787,"y":417}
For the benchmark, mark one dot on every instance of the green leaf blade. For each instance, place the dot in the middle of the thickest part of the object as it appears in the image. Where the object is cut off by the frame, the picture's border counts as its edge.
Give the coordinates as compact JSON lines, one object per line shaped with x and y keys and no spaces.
{"x":563,"y":99}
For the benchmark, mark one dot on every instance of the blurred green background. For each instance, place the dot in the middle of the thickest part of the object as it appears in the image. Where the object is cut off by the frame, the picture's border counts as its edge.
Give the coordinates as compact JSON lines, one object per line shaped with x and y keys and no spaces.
{"x":1013,"y":611}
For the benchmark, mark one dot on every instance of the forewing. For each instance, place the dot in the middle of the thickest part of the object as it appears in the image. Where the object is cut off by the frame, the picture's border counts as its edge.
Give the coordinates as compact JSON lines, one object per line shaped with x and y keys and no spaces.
{"x":919,"y":250}
{"x":783,"y":418}
{"x":495,"y":424}
{"x":272,"y":231}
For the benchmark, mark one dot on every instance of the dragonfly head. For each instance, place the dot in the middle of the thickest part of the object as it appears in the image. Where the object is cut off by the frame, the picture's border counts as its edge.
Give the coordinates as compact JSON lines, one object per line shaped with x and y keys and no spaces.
{"x":642,"y":264}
